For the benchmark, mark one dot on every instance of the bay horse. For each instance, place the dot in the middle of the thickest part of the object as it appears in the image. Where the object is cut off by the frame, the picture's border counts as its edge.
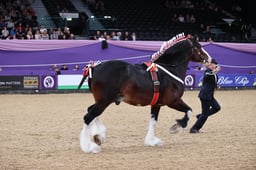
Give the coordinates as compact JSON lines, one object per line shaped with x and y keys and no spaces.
{"x":158,"y":82}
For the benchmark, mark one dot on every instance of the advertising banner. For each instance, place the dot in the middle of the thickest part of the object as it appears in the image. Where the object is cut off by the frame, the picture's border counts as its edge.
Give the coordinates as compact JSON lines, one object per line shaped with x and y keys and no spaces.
{"x":48,"y":82}
{"x":189,"y":81}
{"x":19,"y":82}
{"x":70,"y":82}
{"x":231,"y":80}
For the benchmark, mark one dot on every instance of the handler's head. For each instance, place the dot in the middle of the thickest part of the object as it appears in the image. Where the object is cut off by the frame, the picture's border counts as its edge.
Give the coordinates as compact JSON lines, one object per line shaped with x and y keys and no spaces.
{"x":213,"y":64}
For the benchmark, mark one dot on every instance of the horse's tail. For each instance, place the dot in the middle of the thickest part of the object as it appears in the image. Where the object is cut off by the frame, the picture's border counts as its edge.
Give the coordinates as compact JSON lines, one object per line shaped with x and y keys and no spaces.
{"x":81,"y":82}
{"x":87,"y":72}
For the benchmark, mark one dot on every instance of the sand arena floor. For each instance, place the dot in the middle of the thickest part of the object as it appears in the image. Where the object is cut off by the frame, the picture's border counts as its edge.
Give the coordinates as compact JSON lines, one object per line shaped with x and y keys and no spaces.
{"x":41,"y":132}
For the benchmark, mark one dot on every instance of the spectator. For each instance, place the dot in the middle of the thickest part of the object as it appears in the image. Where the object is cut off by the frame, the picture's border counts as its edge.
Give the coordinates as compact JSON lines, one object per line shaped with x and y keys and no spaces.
{"x":207,"y":30}
{"x":64,"y":37}
{"x":54,"y":66}
{"x":10,"y":24}
{"x":5,"y":33}
{"x":12,"y":32}
{"x":38,"y":35}
{"x":56,"y":69}
{"x":192,"y":18}
{"x":97,"y":35}
{"x":45,"y":35}
{"x":72,"y":36}
{"x":59,"y":33}
{"x":197,"y":68}
{"x":66,"y":32}
{"x":20,"y":28}
{"x":76,"y":67}
{"x":126,"y":36}
{"x":181,"y":18}
{"x":20,"y":31}
{"x":29,"y":34}
{"x":42,"y":29}
{"x":209,"y":39}
{"x":114,"y":36}
{"x":105,"y":35}
{"x":134,"y":38}
{"x":64,"y":67}
{"x":54,"y":35}
{"x":101,"y":38}
{"x":119,"y":35}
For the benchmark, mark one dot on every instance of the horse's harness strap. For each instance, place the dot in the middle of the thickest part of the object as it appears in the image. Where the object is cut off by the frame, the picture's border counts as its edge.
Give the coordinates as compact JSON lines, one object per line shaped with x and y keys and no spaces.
{"x":153,"y":71}
{"x":170,"y":74}
{"x":88,"y":69}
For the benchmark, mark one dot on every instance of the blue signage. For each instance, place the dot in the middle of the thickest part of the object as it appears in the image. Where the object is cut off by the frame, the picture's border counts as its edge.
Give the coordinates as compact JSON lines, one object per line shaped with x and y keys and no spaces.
{"x":231,"y":80}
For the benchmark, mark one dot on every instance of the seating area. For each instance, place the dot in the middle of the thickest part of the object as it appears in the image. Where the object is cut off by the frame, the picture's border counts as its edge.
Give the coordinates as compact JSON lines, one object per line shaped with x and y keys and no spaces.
{"x":150,"y":20}
{"x":159,"y":20}
{"x":54,"y":7}
{"x":16,"y":17}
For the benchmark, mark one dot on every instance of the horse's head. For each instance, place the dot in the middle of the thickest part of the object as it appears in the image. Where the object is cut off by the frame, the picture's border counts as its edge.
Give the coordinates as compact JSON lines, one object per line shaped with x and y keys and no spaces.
{"x":181,"y":49}
{"x":198,"y":53}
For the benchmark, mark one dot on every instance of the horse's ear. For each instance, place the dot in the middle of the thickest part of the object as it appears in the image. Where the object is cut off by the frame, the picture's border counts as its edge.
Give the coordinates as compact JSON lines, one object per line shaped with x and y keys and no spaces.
{"x":188,"y":36}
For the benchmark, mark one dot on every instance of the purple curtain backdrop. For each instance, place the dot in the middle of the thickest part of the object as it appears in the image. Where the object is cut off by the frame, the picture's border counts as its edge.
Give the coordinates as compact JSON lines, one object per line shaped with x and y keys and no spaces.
{"x":40,"y":55}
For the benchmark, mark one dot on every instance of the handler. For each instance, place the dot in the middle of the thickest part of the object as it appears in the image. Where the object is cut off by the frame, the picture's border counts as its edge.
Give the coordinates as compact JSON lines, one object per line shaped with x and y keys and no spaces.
{"x":209,"y":104}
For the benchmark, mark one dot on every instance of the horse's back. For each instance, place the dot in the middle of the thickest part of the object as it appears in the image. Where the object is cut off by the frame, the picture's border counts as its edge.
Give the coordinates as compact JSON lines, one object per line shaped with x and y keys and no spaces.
{"x":114,"y":79}
{"x":110,"y":70}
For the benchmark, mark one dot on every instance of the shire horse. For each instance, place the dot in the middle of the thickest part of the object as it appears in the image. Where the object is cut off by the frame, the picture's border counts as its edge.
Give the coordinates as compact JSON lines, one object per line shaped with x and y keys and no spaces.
{"x":158,"y":82}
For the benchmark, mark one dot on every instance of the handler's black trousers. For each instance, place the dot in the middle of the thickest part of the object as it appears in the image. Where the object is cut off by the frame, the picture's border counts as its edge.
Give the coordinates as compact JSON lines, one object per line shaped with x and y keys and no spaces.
{"x":209,"y":107}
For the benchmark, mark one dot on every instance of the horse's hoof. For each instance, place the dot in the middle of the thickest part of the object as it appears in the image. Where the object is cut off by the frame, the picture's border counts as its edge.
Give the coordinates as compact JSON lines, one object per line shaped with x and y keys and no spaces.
{"x":182,"y":123}
{"x":155,"y":141}
{"x":97,"y":139}
{"x":175,"y":128}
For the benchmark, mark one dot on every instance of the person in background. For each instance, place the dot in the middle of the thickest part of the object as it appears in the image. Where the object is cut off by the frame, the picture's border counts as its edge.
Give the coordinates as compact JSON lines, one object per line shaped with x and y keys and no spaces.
{"x":72,"y":36}
{"x":45,"y":35}
{"x":37,"y":35}
{"x":5,"y":33}
{"x":53,"y":34}
{"x":133,"y":36}
{"x":76,"y":67}
{"x":56,"y":69}
{"x":64,"y":67}
{"x":126,"y":36}
{"x":42,"y":29}
{"x":209,"y":104}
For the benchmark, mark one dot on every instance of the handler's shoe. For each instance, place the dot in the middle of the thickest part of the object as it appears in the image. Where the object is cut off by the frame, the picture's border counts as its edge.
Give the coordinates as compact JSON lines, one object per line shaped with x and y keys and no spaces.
{"x":194,"y":131}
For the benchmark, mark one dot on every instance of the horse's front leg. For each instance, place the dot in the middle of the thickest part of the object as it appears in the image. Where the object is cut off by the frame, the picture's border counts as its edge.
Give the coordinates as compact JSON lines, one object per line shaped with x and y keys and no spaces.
{"x":183,"y":122}
{"x":151,"y":139}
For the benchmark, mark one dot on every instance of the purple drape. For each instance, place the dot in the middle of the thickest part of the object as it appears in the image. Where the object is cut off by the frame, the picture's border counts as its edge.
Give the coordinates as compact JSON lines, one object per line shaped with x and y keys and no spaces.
{"x":41,"y":54}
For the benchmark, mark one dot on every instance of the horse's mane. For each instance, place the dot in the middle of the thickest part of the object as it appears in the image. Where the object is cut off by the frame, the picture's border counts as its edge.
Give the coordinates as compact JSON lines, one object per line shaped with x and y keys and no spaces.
{"x":168,"y":44}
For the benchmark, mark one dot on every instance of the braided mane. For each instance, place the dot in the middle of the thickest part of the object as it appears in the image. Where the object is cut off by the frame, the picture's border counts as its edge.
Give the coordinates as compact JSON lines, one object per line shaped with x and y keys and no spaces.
{"x":174,"y":40}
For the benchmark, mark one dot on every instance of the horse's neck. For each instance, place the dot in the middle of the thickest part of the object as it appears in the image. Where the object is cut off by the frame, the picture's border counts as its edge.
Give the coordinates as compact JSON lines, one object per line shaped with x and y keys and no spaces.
{"x":179,"y":69}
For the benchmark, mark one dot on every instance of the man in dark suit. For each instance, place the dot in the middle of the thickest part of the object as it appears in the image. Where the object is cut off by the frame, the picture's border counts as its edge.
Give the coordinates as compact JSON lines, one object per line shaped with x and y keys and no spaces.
{"x":209,"y":104}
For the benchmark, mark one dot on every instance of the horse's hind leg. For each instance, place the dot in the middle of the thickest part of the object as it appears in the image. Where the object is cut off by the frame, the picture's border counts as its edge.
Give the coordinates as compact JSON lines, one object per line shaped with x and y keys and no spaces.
{"x":93,"y":132}
{"x":183,"y":122}
{"x":151,"y":139}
